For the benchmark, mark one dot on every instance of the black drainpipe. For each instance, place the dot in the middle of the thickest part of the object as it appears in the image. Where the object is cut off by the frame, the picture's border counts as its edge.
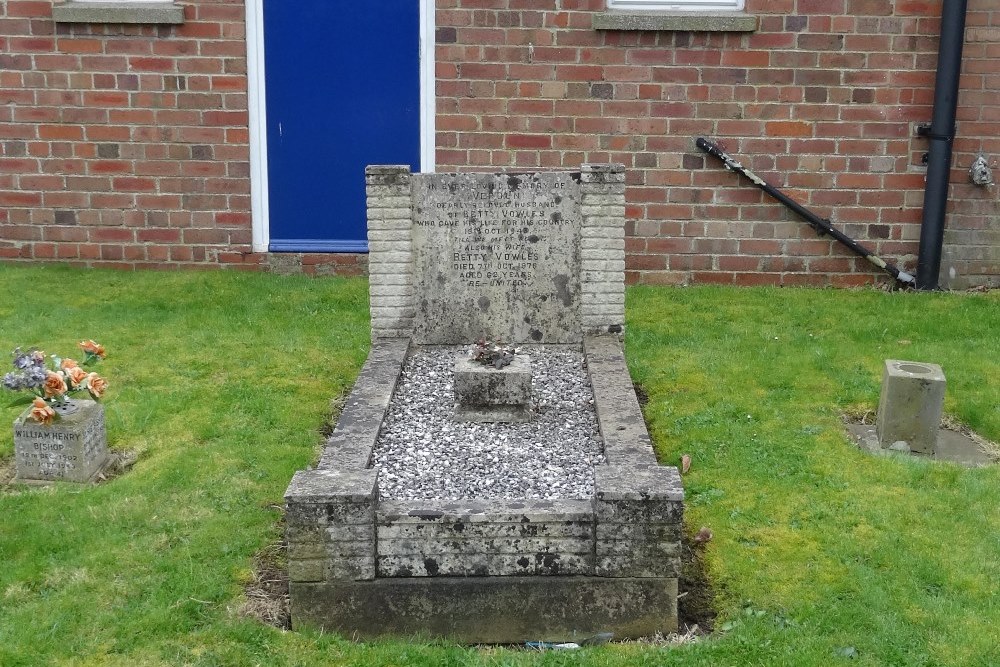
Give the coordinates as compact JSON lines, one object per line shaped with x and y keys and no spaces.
{"x":941,"y":135}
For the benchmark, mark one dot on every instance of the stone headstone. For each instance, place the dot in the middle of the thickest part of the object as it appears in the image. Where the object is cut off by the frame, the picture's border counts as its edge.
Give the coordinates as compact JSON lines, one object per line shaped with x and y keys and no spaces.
{"x":73,"y":448}
{"x":497,"y":256}
{"x":513,"y":257}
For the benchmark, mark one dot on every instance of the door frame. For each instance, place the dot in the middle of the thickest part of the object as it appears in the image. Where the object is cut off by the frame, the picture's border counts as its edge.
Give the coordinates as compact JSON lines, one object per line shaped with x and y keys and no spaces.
{"x":257,"y":103}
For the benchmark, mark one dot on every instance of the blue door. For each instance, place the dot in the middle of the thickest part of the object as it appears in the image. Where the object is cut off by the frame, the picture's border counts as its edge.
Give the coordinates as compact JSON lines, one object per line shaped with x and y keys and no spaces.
{"x":343,"y":92}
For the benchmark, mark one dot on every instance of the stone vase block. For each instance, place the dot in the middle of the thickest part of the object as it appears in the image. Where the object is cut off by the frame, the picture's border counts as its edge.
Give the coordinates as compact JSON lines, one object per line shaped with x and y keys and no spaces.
{"x":73,"y":448}
{"x":911,"y":404}
{"x":488,"y":394}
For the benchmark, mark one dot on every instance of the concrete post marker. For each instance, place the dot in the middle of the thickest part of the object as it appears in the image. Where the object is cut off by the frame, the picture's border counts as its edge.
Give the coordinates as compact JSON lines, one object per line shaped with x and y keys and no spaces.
{"x":911,"y":404}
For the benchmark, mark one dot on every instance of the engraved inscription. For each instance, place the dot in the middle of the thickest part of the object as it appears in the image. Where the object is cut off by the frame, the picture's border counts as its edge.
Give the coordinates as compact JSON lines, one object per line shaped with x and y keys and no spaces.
{"x":497,"y":255}
{"x":71,"y":449}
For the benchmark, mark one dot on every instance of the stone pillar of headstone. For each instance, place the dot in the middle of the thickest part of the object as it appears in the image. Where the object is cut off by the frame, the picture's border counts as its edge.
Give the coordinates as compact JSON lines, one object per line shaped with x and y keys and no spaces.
{"x":390,"y":252}
{"x":330,"y":525}
{"x":602,"y":248}
{"x":639,"y":512}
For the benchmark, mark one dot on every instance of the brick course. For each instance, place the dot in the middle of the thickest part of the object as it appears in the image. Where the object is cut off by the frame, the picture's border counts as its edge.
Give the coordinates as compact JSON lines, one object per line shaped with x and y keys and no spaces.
{"x":822,"y":100}
{"x":127,"y":145}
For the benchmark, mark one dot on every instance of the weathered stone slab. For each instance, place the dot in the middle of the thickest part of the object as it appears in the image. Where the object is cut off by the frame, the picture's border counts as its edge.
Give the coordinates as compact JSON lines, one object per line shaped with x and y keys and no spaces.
{"x":489,"y":610}
{"x":473,"y":510}
{"x":496,"y":256}
{"x":485,"y":538}
{"x":350,"y":445}
{"x":456,"y":544}
{"x":482,"y":564}
{"x":73,"y":448}
{"x":910,"y":405}
{"x":583,"y":529}
{"x":626,"y":440}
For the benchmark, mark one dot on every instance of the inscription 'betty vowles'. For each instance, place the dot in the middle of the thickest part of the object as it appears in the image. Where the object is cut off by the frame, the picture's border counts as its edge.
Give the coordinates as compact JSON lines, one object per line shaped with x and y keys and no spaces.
{"x":496,"y":255}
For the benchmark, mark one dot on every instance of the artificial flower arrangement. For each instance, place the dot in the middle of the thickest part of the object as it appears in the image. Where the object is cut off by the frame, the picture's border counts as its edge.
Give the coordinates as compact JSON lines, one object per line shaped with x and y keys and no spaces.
{"x":51,"y":380}
{"x":492,"y":354}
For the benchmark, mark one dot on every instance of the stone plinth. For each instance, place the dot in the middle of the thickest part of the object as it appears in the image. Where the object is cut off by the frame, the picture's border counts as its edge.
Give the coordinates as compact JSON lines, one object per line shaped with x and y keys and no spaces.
{"x":487,"y":394}
{"x":911,"y":404}
{"x":73,"y":448}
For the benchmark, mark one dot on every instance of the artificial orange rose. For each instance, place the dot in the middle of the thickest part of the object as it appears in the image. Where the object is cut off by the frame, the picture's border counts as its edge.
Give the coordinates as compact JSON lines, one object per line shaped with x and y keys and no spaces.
{"x":41,"y":412}
{"x":67,"y":364}
{"x":92,"y":347}
{"x":96,"y":385}
{"x":76,"y":376}
{"x":54,"y":385}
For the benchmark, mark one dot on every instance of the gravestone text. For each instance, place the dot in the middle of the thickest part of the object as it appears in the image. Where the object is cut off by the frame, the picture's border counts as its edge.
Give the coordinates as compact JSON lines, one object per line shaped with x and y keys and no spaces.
{"x":496,"y":256}
{"x":71,"y":449}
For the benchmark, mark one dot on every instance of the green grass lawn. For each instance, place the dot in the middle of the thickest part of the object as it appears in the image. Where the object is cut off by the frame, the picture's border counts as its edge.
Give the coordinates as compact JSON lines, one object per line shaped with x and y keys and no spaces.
{"x":221,"y":382}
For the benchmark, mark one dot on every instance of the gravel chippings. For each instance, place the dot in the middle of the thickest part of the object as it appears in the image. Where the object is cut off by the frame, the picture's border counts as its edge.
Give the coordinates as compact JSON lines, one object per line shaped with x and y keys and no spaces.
{"x":422,"y":453}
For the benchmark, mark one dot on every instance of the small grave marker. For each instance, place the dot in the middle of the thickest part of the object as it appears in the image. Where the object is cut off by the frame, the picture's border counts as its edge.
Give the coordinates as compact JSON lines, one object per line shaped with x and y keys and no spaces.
{"x":72,"y":449}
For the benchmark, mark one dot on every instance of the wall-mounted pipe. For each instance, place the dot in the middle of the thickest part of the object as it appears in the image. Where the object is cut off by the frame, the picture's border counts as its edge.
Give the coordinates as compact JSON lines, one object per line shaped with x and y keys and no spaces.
{"x":941,"y":136}
{"x":821,"y":225}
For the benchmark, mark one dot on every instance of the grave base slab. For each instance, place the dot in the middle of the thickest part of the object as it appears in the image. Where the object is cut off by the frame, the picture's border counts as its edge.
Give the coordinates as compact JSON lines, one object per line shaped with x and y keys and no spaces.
{"x":490,"y":610}
{"x":493,"y":413}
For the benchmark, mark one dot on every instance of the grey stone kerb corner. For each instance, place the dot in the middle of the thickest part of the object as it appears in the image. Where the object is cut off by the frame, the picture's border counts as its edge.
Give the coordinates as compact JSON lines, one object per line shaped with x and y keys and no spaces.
{"x":330,"y":525}
{"x":419,"y":223}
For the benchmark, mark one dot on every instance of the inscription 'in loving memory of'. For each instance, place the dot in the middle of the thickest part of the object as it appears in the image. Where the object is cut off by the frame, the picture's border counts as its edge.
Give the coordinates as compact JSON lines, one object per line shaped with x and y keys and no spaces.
{"x":495,"y":229}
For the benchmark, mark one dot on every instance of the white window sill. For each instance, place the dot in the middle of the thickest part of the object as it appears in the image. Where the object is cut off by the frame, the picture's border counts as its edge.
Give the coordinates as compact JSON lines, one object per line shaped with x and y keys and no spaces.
{"x":678,"y":21}
{"x":118,"y":12}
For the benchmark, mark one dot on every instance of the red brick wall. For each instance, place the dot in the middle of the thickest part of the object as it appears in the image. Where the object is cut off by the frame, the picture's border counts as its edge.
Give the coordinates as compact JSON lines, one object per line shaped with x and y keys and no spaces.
{"x":128,"y":146}
{"x":972,"y":237}
{"x":821,"y":100}
{"x":124,"y":145}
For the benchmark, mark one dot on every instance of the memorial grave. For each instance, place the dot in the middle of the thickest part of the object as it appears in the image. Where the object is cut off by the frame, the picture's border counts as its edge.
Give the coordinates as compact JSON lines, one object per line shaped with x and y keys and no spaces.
{"x":549,"y":519}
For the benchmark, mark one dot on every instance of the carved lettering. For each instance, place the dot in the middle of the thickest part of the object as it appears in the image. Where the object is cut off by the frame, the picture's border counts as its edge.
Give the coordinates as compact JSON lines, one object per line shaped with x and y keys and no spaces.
{"x":492,"y":253}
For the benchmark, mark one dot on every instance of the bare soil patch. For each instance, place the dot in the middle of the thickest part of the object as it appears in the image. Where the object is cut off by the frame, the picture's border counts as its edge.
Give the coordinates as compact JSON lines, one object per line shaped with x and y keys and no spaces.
{"x":267,"y":591}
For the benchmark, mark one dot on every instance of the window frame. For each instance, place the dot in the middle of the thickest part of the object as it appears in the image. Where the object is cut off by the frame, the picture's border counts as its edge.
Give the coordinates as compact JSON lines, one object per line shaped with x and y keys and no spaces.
{"x":678,"y":5}
{"x":151,"y":12}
